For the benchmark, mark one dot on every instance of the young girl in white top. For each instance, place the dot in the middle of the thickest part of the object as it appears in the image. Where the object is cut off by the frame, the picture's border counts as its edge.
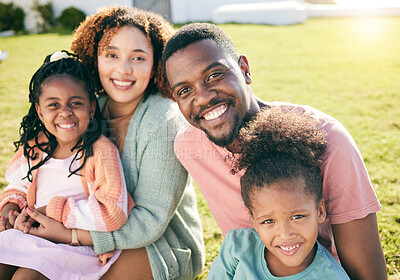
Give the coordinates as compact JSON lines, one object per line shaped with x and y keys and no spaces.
{"x":65,"y":168}
{"x":282,"y":151}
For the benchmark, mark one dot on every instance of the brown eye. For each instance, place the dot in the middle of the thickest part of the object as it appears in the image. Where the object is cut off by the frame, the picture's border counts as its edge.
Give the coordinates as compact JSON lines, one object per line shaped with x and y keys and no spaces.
{"x":296,"y":217}
{"x":213,"y":76}
{"x":183,"y":92}
{"x":269,"y":221}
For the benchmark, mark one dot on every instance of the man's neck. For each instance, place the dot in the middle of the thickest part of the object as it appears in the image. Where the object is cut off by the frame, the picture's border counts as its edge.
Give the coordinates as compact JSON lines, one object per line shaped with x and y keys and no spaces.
{"x":256,"y":106}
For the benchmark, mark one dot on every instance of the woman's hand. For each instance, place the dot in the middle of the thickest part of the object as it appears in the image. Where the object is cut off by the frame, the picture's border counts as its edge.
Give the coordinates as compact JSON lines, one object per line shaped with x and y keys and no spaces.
{"x":48,"y":228}
{"x":23,"y":221}
{"x":55,"y":231}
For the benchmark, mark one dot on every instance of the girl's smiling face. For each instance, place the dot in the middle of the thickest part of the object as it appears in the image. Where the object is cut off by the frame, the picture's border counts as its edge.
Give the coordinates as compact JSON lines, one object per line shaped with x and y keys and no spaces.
{"x":287,"y":220}
{"x":125,"y":67}
{"x":65,"y":110}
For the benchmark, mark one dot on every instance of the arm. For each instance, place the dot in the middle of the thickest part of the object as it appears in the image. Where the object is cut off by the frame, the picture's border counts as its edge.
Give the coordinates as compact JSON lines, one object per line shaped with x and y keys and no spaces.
{"x":157,"y":192}
{"x":106,"y":207}
{"x":352,"y":204}
{"x":51,"y":229}
{"x":360,"y":238}
{"x":14,"y":196}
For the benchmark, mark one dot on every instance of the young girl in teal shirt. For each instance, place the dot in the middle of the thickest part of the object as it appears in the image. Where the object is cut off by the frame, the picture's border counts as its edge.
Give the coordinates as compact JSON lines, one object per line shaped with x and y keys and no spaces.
{"x":282,"y":152}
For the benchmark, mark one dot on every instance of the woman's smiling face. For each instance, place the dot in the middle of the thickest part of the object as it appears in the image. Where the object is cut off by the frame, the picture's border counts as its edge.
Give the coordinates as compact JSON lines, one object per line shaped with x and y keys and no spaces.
{"x":125,"y":66}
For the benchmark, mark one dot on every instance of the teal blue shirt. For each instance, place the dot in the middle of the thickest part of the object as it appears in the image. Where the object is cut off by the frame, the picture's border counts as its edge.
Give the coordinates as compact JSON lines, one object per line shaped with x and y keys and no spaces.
{"x":242,"y":257}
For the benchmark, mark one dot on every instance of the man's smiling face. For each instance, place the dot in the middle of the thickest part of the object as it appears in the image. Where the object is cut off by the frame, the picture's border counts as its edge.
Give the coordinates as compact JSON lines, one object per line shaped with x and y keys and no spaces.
{"x":210,"y":88}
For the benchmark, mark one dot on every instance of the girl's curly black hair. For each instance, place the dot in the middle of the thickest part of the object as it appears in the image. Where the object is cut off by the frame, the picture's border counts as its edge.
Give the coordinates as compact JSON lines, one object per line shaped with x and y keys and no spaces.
{"x":31,"y":126}
{"x":281,"y":143}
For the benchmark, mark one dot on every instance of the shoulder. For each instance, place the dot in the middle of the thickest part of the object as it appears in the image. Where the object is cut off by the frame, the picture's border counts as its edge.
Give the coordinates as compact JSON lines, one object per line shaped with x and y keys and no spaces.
{"x":239,"y":233}
{"x":160,"y":107}
{"x":18,"y":162}
{"x":306,"y":109}
{"x":158,"y":111}
{"x":103,"y":143}
{"x":337,"y":135}
{"x":190,"y":137}
{"x":327,"y":264}
{"x":104,"y":148}
{"x":242,"y":239}
{"x":190,"y":132}
{"x":327,"y":259}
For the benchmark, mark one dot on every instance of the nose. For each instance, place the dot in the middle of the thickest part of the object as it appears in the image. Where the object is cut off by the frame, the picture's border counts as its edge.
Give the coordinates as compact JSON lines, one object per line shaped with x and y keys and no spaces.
{"x":65,"y":112}
{"x":125,"y":66}
{"x":285,"y":230}
{"x":204,"y":94}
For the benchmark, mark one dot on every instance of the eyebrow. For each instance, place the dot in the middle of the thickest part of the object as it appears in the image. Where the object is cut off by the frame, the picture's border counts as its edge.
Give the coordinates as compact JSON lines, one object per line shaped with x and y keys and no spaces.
{"x":290,"y":212}
{"x":212,"y":65}
{"x":177,"y":85}
{"x":134,"y":50}
{"x":73,"y":97}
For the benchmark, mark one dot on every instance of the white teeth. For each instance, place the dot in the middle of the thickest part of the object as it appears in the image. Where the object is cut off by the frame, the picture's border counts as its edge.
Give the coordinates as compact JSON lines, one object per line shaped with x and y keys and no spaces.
{"x":289,"y":248}
{"x":216,"y":113}
{"x":66,"y":125}
{"x":122,"y":84}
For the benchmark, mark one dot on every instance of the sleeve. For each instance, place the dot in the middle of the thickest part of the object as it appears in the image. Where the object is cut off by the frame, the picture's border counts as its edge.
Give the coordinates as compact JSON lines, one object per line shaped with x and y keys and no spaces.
{"x":106,"y":208}
{"x":347,"y":188}
{"x":158,"y":192}
{"x":17,"y":189}
{"x":224,"y":265}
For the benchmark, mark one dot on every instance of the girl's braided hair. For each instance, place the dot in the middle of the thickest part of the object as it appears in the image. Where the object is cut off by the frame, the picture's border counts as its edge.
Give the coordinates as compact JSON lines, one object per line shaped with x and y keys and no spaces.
{"x":281,"y":143}
{"x":94,"y":34}
{"x":32,"y":128}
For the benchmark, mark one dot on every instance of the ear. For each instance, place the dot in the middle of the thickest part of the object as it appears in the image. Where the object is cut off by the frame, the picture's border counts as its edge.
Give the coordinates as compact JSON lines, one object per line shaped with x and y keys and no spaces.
{"x":321,"y":211}
{"x":244,"y":66}
{"x":92,"y":109}
{"x":39,"y":111}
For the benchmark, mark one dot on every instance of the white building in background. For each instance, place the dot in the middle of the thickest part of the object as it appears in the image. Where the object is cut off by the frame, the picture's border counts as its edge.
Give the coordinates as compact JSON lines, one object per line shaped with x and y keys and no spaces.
{"x":177,"y":11}
{"x":273,"y":12}
{"x":86,"y":6}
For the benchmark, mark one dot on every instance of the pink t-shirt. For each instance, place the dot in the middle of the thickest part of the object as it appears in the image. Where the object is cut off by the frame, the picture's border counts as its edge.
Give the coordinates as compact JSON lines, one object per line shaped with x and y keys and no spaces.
{"x":347,"y":188}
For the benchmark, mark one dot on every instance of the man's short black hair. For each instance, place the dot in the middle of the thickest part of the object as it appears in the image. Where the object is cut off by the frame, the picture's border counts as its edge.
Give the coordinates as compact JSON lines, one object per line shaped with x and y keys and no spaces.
{"x":193,"y":32}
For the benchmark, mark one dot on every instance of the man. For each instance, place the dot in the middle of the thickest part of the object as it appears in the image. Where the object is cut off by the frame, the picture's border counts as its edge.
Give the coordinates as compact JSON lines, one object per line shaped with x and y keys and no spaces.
{"x":211,"y":84}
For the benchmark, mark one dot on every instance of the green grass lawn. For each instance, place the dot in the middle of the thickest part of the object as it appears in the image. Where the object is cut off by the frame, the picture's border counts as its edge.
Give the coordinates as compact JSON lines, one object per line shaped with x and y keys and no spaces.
{"x":348,"y":68}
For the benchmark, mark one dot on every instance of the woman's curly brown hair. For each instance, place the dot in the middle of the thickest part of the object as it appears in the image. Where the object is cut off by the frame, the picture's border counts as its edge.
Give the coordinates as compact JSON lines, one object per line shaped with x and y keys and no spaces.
{"x":94,"y":34}
{"x":281,"y":143}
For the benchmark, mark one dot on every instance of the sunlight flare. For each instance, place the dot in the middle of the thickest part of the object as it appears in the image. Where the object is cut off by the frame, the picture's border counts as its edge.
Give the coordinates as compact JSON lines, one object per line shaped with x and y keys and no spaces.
{"x":367,"y":3}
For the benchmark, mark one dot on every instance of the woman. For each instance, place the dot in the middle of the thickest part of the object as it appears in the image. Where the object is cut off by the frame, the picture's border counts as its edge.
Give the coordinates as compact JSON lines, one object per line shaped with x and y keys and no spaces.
{"x":162,"y":238}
